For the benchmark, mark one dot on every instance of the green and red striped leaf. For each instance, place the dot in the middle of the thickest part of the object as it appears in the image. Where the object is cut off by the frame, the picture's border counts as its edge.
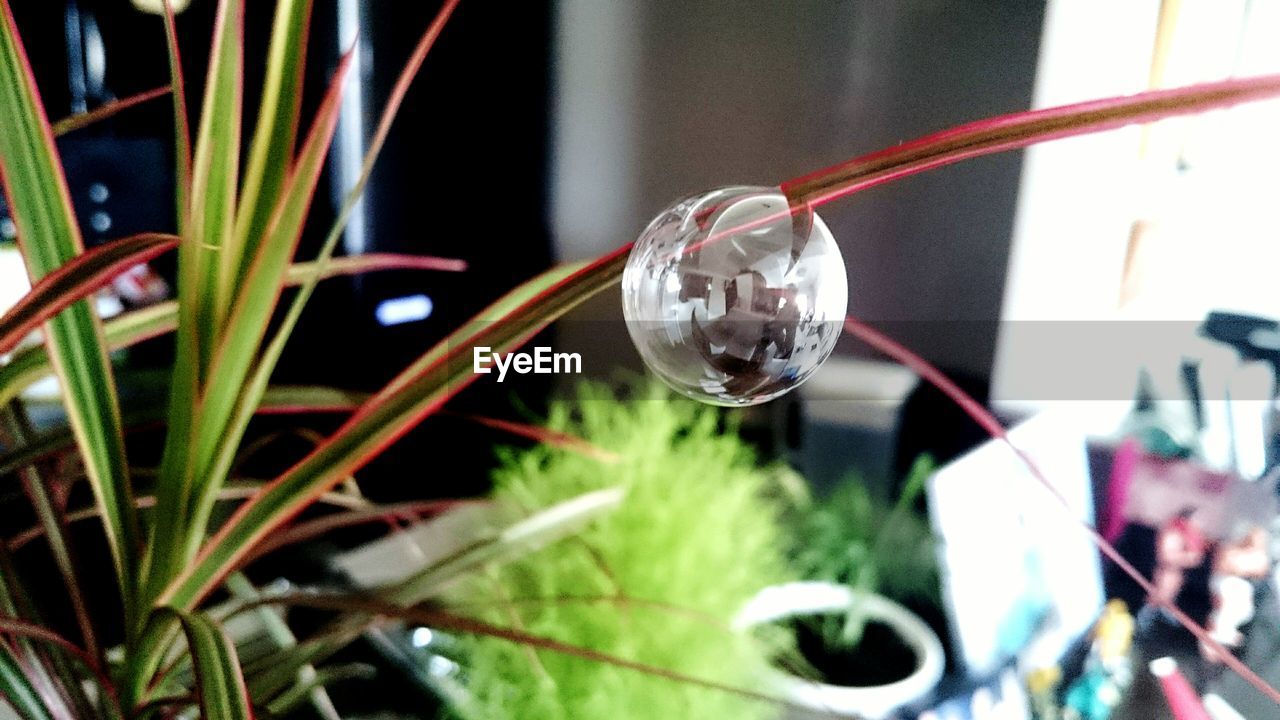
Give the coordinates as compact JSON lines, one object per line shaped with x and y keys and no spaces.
{"x":16,"y":689}
{"x":354,"y":605}
{"x":414,"y":394}
{"x":188,"y":490}
{"x":77,"y":279}
{"x":82,"y":120}
{"x":545,"y":436}
{"x":220,"y":688}
{"x":271,"y":151}
{"x":181,"y":119}
{"x":108,"y":703}
{"x":1019,"y":130}
{"x":215,"y":173}
{"x":49,"y":237}
{"x":32,"y":363}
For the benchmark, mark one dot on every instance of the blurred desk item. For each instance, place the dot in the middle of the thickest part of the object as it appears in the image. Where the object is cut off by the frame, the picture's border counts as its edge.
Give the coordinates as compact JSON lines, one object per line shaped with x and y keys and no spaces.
{"x":1016,"y":565}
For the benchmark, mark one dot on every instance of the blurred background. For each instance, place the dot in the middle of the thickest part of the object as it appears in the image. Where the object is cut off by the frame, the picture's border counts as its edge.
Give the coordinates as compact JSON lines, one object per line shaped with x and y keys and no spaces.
{"x":1045,"y":280}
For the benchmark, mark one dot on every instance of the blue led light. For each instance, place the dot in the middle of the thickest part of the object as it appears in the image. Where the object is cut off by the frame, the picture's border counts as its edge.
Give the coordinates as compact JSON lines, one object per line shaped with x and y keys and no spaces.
{"x":410,"y":308}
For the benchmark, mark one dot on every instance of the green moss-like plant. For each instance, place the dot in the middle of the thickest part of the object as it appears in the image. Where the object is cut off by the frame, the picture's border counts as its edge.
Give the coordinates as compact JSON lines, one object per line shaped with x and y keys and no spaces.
{"x":854,"y":539}
{"x":695,"y":531}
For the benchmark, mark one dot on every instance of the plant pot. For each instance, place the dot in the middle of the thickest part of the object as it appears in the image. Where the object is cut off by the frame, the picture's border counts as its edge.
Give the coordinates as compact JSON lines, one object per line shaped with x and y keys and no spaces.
{"x":799,"y":599}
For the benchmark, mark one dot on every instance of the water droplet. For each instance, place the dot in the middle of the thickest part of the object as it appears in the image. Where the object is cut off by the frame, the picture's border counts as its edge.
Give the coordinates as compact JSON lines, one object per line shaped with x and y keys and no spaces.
{"x":732,"y":297}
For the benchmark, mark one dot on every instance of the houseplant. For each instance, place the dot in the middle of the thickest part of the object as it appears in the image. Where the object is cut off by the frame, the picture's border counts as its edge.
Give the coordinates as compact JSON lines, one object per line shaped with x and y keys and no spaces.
{"x":238,"y":227}
{"x":237,"y":232}
{"x":656,"y":581}
{"x":848,"y":643}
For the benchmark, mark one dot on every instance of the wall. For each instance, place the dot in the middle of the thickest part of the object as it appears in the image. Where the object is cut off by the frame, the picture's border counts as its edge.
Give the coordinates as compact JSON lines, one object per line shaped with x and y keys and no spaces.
{"x":663,"y":99}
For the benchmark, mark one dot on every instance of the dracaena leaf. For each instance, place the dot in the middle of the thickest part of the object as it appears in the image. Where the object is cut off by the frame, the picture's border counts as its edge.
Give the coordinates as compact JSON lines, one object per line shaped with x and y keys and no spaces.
{"x":319,"y":527}
{"x":268,"y":677}
{"x":184,"y":383}
{"x":37,"y":669}
{"x":271,"y":152}
{"x":220,"y":687}
{"x":49,"y":237}
{"x":12,"y":627}
{"x":370,"y":606}
{"x":491,"y":540}
{"x":233,"y":492}
{"x":76,"y":280}
{"x":215,"y":171}
{"x":518,"y":539}
{"x":188,"y":488}
{"x":1019,"y":130}
{"x":266,"y":276}
{"x":309,"y":683}
{"x":545,"y":436}
{"x":82,"y":120}
{"x":315,"y":681}
{"x":31,"y":363}
{"x":181,"y":119}
{"x":17,"y":690}
{"x":414,"y":394}
{"x":207,"y":179}
{"x":53,"y":522}
{"x":245,"y":403}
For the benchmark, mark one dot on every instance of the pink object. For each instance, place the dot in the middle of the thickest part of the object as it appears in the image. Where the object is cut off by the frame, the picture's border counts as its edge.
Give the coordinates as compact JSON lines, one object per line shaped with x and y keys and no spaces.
{"x":1182,"y":698}
{"x":1122,"y":467}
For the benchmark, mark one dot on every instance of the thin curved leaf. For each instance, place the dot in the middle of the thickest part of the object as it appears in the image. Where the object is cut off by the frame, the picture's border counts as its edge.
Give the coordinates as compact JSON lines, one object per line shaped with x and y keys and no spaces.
{"x":521,"y":538}
{"x":309,"y":684}
{"x":32,"y":363}
{"x":220,"y":687}
{"x":277,"y":672}
{"x":301,"y":399}
{"x":78,"y":121}
{"x":17,"y":690}
{"x":319,"y":527}
{"x":304,"y":690}
{"x":551,"y":438}
{"x":181,"y":119}
{"x":230,"y":493}
{"x":424,"y":386}
{"x":315,"y":271}
{"x":1019,"y":130}
{"x":451,"y":622}
{"x":52,"y":519}
{"x":41,"y":669}
{"x":18,"y":628}
{"x":416,"y":393}
{"x":75,"y":280}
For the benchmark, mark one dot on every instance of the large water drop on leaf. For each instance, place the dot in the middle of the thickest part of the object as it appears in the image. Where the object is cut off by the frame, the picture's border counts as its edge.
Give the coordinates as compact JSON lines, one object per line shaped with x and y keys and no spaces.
{"x":734,"y":298}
